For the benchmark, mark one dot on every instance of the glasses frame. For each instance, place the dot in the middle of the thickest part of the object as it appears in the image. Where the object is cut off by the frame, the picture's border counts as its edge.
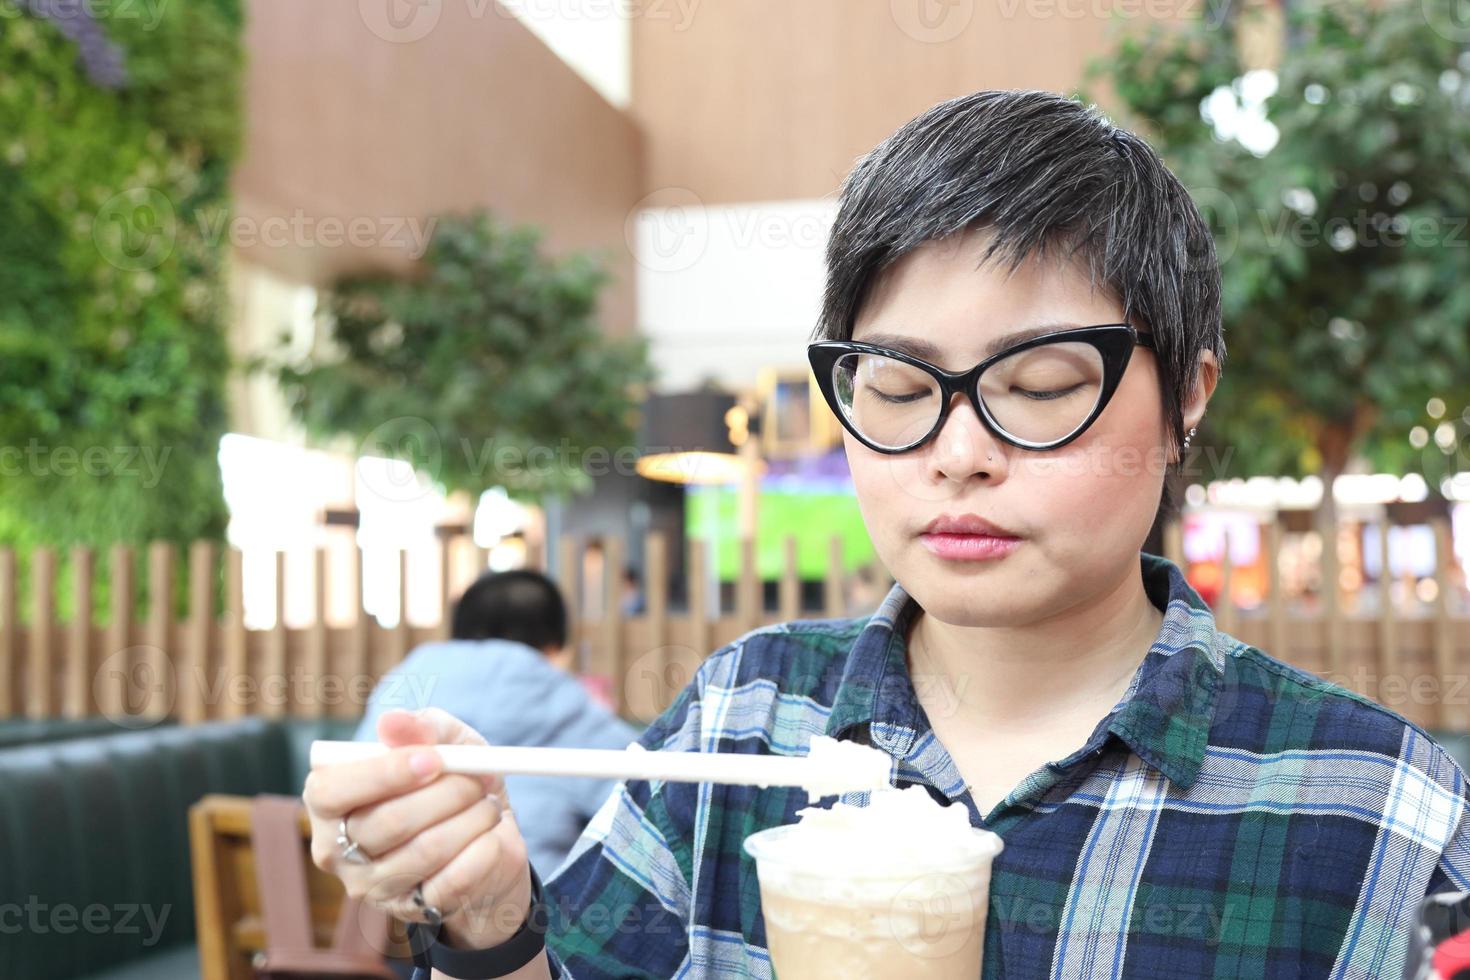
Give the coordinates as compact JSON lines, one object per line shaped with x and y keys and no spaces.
{"x":1114,"y":341}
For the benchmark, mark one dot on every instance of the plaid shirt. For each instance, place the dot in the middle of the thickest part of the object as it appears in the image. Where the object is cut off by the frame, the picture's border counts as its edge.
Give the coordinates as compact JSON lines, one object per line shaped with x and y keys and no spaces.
{"x":1231,"y":817}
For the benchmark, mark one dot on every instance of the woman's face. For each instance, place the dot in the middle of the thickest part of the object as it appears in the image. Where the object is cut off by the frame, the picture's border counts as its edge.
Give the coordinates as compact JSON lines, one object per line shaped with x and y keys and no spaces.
{"x":1081,"y":512}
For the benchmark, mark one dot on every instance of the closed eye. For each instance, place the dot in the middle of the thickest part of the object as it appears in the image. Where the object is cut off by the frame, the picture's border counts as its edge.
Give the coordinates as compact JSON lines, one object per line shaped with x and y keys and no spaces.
{"x":898,"y":399}
{"x":1052,"y":395}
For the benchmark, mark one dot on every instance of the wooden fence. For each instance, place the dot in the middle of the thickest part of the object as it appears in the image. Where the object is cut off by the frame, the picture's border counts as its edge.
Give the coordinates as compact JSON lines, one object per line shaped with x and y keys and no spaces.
{"x":209,"y":665}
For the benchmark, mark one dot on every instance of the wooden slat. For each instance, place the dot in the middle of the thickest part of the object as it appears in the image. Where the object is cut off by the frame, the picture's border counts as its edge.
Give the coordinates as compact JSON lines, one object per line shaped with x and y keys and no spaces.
{"x":1332,"y":607}
{"x":747,"y":595}
{"x":399,"y":646}
{"x":790,"y":598}
{"x":833,"y":601}
{"x":314,"y":656}
{"x":79,"y":659}
{"x":698,"y":578}
{"x":235,"y":667}
{"x":1225,"y":604}
{"x":271,"y":682}
{"x":41,"y":659}
{"x":359,"y":641}
{"x":113,"y":696}
{"x":1275,"y":600}
{"x":446,"y":588}
{"x":209,"y":913}
{"x":656,"y":612}
{"x":567,"y":568}
{"x":158,"y":652}
{"x":9,"y":651}
{"x":614,"y":654}
{"x":193,"y":661}
{"x":656,"y":586}
{"x":1388,"y":653}
{"x":1451,"y":713}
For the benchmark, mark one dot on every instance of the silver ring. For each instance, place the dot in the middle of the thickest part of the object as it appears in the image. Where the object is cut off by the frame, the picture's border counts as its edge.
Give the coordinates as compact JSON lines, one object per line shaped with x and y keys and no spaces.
{"x":352,"y":852}
{"x":429,"y":912}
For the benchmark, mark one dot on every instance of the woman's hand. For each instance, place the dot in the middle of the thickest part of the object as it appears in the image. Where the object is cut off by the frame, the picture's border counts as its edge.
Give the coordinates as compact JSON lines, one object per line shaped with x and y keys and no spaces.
{"x":416,"y":826}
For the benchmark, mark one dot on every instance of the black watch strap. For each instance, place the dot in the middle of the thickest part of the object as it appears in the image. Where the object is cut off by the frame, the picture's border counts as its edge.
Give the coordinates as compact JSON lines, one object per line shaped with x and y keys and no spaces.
{"x":495,"y":961}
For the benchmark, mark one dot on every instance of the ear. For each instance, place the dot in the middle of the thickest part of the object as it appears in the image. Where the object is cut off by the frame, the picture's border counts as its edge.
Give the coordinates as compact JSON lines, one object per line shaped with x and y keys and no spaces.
{"x":1206,"y":377}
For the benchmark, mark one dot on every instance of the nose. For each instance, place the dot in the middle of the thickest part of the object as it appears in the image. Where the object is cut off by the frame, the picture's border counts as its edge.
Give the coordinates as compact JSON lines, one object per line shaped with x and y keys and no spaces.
{"x":964,"y":447}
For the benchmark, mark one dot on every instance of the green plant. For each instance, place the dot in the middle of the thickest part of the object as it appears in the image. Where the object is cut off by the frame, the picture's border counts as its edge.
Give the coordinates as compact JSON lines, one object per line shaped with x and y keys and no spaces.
{"x":113,"y":358}
{"x":487,"y":368}
{"x":1344,"y":246}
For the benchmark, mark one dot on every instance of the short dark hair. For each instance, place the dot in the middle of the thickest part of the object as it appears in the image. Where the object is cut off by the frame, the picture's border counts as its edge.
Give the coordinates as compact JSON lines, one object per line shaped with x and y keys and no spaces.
{"x":521,"y":605}
{"x":1041,"y":172}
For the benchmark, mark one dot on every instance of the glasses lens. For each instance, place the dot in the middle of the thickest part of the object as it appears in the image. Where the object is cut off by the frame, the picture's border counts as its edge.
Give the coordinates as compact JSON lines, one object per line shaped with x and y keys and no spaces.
{"x":1043,"y":394}
{"x":892,"y":404}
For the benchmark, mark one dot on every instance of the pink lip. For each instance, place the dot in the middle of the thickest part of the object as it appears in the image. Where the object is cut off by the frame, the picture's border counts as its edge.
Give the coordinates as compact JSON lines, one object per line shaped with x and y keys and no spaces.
{"x":969,"y":547}
{"x":967,"y":537}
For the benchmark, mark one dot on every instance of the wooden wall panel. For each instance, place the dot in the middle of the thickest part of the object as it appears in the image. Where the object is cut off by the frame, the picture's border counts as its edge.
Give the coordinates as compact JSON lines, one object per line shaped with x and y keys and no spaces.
{"x":761,"y":100}
{"x":351,"y":116}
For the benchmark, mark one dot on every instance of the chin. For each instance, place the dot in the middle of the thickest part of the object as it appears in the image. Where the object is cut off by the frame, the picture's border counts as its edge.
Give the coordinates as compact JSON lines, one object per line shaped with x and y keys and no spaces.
{"x":957,"y":600}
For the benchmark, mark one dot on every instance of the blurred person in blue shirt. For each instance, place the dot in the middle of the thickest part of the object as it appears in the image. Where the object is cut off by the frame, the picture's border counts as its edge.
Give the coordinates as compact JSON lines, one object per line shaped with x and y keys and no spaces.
{"x":507,"y":673}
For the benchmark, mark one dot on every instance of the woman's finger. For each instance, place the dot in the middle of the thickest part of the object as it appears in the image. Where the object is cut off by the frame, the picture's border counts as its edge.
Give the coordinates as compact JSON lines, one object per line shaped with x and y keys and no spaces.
{"x":336,"y":790}
{"x":489,"y":865}
{"x":428,"y":726}
{"x":399,"y":871}
{"x":380,"y":827}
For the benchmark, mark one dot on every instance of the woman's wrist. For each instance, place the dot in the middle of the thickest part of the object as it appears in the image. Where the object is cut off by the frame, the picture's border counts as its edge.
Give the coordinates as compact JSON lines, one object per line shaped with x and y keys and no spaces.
{"x":477,"y":946}
{"x":482,"y":925}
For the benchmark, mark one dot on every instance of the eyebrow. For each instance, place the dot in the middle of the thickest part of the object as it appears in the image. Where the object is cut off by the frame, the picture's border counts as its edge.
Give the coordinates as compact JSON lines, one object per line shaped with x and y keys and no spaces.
{"x":923,"y":349}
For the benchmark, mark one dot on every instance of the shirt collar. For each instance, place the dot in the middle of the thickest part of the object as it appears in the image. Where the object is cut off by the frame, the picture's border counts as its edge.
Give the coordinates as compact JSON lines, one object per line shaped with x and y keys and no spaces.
{"x":1164,"y":716}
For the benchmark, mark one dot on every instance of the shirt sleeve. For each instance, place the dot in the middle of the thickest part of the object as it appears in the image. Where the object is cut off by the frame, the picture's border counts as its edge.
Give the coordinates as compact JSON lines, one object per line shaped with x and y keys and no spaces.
{"x":620,"y":905}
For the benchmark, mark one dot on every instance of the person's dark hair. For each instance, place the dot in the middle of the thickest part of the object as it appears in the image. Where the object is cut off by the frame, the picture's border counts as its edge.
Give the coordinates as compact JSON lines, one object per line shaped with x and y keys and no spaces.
{"x":1048,"y":176}
{"x":521,"y":605}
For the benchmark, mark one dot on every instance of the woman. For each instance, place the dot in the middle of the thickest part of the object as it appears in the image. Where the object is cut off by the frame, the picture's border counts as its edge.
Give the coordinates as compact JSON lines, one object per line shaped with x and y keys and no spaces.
{"x":1020,"y":333}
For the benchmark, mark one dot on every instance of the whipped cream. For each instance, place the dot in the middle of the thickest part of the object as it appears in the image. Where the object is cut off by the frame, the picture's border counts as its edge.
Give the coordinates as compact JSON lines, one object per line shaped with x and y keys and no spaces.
{"x":843,"y":767}
{"x":899,"y":831}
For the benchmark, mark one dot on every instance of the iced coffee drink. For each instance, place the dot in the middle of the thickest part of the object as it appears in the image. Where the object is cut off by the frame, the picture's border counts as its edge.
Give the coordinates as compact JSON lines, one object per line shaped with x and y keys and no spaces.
{"x":898,"y":888}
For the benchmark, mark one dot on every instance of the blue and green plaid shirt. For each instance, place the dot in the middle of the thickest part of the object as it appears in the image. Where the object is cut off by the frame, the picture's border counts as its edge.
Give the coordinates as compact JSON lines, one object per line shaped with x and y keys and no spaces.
{"x":1231,"y":817}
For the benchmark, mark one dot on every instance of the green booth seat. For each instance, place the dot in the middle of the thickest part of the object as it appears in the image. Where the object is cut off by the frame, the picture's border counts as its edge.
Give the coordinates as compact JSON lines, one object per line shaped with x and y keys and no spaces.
{"x":28,"y":731}
{"x":95,"y":877}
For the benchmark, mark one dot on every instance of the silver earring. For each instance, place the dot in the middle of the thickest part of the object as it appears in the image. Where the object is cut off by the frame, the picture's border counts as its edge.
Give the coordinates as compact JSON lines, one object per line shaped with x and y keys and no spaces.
{"x":1189,"y":436}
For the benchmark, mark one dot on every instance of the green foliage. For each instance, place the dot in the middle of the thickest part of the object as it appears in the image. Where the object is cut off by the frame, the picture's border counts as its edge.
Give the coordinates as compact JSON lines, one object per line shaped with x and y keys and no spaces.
{"x":1344,"y":247}
{"x":487,"y":369}
{"x":113,"y":357}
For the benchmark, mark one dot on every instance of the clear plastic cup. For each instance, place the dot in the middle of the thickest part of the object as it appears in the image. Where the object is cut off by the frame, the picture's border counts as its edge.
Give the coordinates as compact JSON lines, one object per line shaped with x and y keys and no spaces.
{"x":860,"y":921}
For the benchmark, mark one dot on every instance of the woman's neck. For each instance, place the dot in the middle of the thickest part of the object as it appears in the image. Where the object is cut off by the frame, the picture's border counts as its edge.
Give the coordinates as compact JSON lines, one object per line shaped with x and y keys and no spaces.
{"x":1078,"y":661}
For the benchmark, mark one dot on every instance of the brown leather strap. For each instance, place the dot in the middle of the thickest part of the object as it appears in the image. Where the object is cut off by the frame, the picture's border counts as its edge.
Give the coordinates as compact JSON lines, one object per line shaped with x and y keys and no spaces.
{"x":361,"y":933}
{"x":362,"y":930}
{"x":280,"y":873}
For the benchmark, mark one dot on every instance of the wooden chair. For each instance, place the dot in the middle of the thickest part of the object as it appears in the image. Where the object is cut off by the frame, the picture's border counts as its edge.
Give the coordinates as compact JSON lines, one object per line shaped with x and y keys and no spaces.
{"x":236,"y":929}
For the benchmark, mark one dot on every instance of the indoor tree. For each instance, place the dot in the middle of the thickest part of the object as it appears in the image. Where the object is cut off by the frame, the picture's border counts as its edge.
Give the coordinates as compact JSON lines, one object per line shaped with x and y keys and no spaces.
{"x":486,"y":367}
{"x":1338,"y":187}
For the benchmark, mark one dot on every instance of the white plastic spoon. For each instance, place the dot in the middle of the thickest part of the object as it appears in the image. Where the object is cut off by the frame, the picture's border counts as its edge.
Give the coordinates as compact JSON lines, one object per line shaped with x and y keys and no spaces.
{"x":829,"y":767}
